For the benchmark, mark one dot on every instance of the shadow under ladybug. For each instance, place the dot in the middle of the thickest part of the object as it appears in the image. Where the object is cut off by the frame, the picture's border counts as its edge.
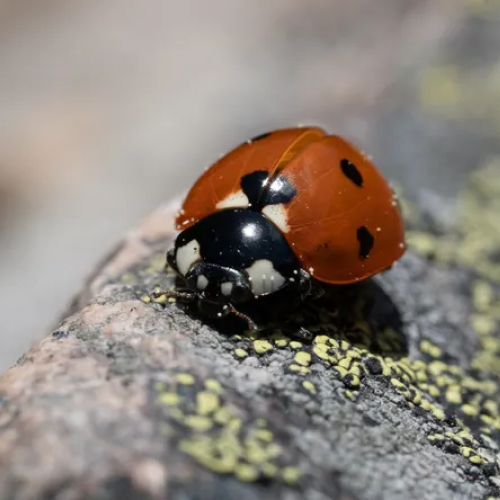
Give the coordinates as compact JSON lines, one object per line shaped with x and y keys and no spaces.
{"x":362,"y":313}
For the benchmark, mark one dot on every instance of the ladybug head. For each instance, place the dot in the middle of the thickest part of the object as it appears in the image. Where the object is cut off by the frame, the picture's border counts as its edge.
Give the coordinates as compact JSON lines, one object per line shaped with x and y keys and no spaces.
{"x":233,"y":259}
{"x":212,"y":282}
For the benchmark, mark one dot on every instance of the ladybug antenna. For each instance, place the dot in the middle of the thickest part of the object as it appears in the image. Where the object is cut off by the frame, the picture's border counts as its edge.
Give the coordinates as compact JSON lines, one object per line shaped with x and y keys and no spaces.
{"x":251,"y":324}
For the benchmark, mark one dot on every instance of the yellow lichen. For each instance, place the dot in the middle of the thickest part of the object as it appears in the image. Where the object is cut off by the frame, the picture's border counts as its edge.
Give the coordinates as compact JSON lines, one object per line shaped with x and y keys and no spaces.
{"x":184,"y":378}
{"x":213,"y":385}
{"x":218,"y":439}
{"x":240,"y":353}
{"x":168,"y":398}
{"x":459,"y":399}
{"x":262,"y":346}
{"x":309,"y":386}
{"x":303,"y":358}
{"x":206,"y":402}
{"x":290,"y":475}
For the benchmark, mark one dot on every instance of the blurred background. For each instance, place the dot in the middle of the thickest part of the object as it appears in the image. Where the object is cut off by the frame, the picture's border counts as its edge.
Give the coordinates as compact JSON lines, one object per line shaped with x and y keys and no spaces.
{"x":110,"y":107}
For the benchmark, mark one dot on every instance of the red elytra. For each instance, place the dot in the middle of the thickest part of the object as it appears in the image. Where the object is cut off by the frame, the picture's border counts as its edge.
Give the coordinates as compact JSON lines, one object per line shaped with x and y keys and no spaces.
{"x":344,"y":224}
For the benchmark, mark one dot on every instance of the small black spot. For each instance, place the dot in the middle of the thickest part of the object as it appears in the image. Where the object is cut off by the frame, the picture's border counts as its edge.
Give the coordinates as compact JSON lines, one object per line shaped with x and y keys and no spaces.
{"x":351,"y":172}
{"x":366,"y":241}
{"x":260,"y":137}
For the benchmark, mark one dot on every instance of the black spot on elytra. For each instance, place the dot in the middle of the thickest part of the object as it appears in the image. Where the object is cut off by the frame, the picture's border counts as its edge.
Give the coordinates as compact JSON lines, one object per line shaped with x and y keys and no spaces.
{"x":260,"y":137}
{"x":279,"y":190}
{"x":260,"y":194}
{"x":253,"y":186}
{"x":366,"y":241}
{"x":351,"y":172}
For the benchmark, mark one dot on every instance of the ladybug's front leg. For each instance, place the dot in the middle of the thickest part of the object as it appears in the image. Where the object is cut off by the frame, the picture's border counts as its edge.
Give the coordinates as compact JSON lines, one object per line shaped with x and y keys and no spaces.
{"x":178,"y":295}
{"x":305,"y":284}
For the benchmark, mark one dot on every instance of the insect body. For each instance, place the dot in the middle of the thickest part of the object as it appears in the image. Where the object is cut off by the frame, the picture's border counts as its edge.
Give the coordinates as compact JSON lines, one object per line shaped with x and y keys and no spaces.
{"x":280,"y":212}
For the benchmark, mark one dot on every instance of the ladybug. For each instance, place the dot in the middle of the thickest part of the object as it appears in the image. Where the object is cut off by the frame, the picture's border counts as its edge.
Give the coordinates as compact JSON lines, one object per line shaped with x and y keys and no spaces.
{"x":280,"y":213}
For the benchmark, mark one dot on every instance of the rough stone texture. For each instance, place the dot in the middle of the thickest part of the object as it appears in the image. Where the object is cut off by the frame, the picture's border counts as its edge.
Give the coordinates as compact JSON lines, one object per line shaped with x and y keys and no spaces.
{"x":394,"y":395}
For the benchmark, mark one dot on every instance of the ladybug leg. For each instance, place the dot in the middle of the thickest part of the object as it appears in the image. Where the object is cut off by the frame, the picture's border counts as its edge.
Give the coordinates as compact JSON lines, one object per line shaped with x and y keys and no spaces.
{"x":232,"y":310}
{"x":317,"y":291}
{"x":177,"y":295}
{"x":310,"y":287}
{"x":305,"y":284}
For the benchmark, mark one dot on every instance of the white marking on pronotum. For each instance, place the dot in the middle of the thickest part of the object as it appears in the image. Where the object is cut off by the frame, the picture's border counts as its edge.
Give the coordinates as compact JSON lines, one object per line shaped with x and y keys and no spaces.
{"x":264,"y":278}
{"x":277,"y":214}
{"x":202,"y":282}
{"x":237,"y":199}
{"x":187,"y":255}
{"x":226,"y":288}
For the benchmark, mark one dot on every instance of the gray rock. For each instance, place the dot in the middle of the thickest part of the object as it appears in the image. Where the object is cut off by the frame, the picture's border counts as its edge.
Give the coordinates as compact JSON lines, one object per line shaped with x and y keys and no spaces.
{"x":131,"y":399}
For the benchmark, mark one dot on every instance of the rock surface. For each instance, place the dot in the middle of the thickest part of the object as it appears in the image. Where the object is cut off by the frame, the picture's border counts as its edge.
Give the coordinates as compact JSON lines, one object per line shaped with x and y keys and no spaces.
{"x":394,"y":396}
